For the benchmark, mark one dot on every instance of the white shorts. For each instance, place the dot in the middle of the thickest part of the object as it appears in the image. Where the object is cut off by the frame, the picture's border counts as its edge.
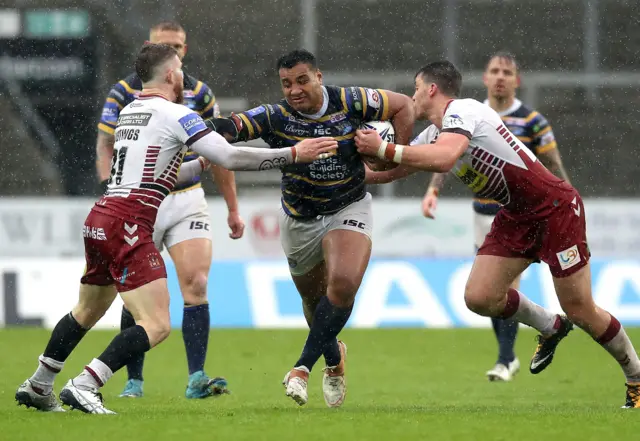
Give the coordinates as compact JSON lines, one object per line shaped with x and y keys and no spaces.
{"x":481,"y":227}
{"x":182,"y":216}
{"x":302,"y":240}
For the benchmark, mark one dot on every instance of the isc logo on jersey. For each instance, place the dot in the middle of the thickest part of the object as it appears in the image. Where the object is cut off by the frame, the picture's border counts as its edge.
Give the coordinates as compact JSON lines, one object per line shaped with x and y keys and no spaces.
{"x":192,"y":124}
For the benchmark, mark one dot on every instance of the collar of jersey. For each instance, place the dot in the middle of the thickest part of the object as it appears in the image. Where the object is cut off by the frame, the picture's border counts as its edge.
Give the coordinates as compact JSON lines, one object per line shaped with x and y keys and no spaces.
{"x":325,"y":105}
{"x":515,"y":106}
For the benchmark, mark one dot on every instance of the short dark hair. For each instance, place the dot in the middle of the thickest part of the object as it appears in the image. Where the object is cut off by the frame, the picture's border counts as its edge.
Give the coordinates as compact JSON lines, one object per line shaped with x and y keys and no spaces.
{"x":168,"y":26}
{"x":504,"y":55}
{"x":445,"y":75}
{"x":296,"y":57}
{"x":150,"y":57}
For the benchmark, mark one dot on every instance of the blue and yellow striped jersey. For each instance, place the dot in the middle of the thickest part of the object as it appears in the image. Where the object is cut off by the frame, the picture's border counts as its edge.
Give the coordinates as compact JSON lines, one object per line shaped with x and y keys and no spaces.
{"x":327,"y":185}
{"x":197,"y":96}
{"x":533,"y":129}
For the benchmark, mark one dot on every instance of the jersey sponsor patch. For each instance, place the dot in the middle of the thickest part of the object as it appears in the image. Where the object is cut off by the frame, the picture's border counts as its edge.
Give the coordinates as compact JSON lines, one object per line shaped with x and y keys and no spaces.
{"x":110,"y":111}
{"x":569,"y":257}
{"x":473,"y":179}
{"x":134,"y":119}
{"x":547,"y":138}
{"x":373,"y":97}
{"x":192,"y":124}
{"x":256,"y":111}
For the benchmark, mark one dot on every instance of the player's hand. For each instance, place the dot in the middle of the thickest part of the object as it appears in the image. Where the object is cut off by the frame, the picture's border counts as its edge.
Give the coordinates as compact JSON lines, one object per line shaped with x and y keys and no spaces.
{"x":236,"y":225}
{"x":430,"y":203}
{"x":368,"y":142}
{"x":312,"y":149}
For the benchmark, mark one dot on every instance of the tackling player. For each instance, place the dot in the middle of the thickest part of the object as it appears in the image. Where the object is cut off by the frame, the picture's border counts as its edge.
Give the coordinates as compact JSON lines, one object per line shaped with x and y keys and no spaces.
{"x":152,"y":135}
{"x":325,"y":222}
{"x":502,"y":78}
{"x":183,"y":222}
{"x":542,"y":219}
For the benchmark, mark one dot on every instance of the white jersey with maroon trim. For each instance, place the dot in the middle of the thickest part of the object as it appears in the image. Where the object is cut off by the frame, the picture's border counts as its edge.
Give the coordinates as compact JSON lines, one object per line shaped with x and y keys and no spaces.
{"x":496,"y":165}
{"x":151,"y":137}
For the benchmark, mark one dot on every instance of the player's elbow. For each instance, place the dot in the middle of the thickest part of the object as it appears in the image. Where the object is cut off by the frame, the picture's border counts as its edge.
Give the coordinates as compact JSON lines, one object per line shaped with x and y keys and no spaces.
{"x":443,"y":166}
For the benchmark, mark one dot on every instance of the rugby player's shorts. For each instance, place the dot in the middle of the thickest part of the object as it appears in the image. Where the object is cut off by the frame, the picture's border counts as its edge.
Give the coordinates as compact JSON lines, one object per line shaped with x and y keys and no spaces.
{"x":302,"y":239}
{"x":558,"y":239}
{"x":481,"y":227}
{"x":183,"y":215}
{"x":119,"y":252}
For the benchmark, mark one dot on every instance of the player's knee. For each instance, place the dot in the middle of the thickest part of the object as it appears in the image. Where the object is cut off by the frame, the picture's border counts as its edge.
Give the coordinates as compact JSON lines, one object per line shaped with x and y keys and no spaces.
{"x":87,"y":315}
{"x":194,"y":291}
{"x":477,"y":301}
{"x":342,"y":290}
{"x":578,"y":310}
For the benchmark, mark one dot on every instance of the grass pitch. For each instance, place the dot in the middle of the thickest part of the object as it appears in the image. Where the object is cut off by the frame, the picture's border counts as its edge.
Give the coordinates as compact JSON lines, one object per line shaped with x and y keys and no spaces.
{"x":403,"y":385}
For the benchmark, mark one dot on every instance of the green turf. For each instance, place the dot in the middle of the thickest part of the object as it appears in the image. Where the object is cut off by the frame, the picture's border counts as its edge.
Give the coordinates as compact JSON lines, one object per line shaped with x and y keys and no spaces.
{"x":403,"y":385}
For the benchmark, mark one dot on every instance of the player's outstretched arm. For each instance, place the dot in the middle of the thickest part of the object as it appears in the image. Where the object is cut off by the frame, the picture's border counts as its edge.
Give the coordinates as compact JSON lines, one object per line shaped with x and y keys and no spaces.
{"x":215,"y":148}
{"x":438,"y":157}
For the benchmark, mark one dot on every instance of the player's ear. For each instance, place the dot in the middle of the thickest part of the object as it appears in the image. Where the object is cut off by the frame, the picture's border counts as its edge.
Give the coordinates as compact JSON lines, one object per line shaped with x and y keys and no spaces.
{"x":518,"y":81}
{"x":186,"y":46}
{"x":319,"y":75}
{"x":484,"y":79}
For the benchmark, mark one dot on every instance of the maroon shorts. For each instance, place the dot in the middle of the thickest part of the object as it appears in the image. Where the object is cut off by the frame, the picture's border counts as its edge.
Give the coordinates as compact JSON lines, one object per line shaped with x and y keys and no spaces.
{"x":119,"y":252}
{"x":559,"y":239}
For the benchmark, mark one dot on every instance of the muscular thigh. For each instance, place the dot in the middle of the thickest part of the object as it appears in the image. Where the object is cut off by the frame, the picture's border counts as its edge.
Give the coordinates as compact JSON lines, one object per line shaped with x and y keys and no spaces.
{"x":186,"y":217}
{"x":491,"y":276}
{"x":192,"y":258}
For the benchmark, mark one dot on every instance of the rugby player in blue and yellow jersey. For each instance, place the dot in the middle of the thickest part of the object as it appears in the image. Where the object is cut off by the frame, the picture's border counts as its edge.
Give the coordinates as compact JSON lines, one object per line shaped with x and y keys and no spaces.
{"x":326,"y":218}
{"x":183,"y":223}
{"x":502,"y":78}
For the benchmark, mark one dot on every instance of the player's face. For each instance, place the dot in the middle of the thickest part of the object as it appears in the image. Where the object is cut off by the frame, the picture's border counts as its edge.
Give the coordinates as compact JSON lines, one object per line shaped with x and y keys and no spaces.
{"x":421,"y":98}
{"x":501,"y":78}
{"x":177,"y":40}
{"x":302,"y":87}
{"x":176,"y":78}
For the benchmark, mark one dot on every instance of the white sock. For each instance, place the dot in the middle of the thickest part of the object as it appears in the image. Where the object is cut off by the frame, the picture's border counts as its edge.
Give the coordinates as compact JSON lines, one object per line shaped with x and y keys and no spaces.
{"x":43,"y":377}
{"x":616,"y":341}
{"x":94,"y":375}
{"x":530,"y":313}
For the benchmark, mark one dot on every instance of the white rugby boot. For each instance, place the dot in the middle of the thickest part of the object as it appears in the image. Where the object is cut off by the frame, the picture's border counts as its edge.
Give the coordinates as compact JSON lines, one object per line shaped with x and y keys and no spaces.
{"x":334,"y":381}
{"x":27,"y":396}
{"x":87,"y":400}
{"x":501,"y":372}
{"x":295,"y":383}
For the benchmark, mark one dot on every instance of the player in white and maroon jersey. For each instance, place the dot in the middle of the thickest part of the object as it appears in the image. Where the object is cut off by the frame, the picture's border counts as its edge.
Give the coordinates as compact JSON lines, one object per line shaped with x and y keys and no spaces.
{"x":151,"y":137}
{"x":542,"y":219}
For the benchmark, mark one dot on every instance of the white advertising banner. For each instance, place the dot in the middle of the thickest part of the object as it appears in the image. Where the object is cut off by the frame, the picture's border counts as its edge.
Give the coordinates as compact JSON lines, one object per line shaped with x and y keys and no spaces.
{"x":51,"y":227}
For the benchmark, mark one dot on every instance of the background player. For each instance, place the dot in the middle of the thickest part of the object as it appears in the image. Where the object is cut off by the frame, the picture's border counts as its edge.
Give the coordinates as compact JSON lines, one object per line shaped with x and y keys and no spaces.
{"x":502,"y":78}
{"x":326,"y":219}
{"x":152,"y":136}
{"x":542,"y":219}
{"x":183,"y":223}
